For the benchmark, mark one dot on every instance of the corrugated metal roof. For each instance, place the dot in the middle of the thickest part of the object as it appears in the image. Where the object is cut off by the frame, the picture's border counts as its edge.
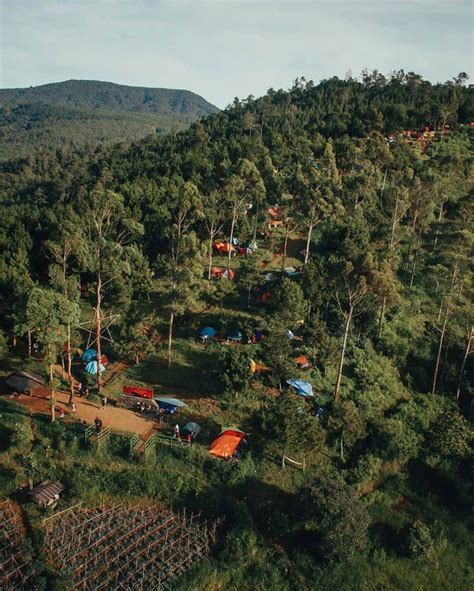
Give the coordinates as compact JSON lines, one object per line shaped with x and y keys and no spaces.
{"x":46,"y":491}
{"x":23,"y":381}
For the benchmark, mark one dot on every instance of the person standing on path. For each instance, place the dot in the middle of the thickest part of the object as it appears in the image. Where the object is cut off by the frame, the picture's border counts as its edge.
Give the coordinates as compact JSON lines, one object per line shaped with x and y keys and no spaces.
{"x":104,"y":401}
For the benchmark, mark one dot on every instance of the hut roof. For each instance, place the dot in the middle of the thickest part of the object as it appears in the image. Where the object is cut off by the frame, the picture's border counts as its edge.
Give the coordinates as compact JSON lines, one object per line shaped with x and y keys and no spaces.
{"x":46,"y":492}
{"x":24,"y":381}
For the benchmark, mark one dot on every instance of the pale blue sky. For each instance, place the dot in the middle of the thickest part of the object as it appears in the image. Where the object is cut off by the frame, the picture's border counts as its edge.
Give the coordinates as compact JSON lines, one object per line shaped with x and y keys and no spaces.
{"x":226,"y":48}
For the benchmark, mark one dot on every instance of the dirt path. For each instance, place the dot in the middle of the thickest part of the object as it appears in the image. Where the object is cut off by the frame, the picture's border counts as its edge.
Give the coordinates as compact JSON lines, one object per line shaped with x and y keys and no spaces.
{"x":118,"y":418}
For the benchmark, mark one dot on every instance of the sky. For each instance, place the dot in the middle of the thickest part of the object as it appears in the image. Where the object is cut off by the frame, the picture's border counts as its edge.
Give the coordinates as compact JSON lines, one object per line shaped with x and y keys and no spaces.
{"x":221,"y":49}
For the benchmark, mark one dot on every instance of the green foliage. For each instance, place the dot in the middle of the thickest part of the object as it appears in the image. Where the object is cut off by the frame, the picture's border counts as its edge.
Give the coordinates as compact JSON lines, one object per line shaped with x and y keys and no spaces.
{"x":425,"y":545}
{"x":234,"y":370}
{"x":287,"y":420}
{"x":339,"y":517}
{"x":78,"y":113}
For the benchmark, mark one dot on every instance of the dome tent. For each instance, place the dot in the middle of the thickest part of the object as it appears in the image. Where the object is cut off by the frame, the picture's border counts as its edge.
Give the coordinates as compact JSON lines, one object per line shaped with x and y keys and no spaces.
{"x":91,"y":367}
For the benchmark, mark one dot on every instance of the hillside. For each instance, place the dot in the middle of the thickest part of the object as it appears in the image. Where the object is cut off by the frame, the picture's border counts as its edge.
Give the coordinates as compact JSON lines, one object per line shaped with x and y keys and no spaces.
{"x":76,"y":113}
{"x":296,"y":270}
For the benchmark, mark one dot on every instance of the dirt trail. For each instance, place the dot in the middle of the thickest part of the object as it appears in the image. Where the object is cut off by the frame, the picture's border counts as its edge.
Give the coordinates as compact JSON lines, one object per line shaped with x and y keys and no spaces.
{"x":118,"y":418}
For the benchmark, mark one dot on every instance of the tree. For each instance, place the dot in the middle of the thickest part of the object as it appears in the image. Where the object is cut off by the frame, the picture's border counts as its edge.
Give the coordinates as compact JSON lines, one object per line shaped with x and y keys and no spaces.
{"x":137,"y":335}
{"x":215,"y":216}
{"x":288,"y":304}
{"x":182,"y":282}
{"x":61,"y":251}
{"x":48,"y":313}
{"x":234,"y":369}
{"x":339,"y":516}
{"x":107,"y":234}
{"x":243,"y":188}
{"x":250,"y":274}
{"x":288,"y":421}
{"x":316,"y":185}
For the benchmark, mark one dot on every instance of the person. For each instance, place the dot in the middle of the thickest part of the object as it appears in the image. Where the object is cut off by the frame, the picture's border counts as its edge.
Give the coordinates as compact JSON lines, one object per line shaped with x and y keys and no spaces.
{"x":79,"y":389}
{"x":161,"y":415}
{"x":176,"y":432}
{"x":104,"y":401}
{"x":98,"y":425}
{"x":86,"y":392}
{"x":189,"y":439}
{"x":61,"y":413}
{"x":73,"y":409}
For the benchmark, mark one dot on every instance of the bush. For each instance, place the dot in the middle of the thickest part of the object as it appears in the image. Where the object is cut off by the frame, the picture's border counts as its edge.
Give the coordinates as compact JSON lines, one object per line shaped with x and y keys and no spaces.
{"x":338,"y":515}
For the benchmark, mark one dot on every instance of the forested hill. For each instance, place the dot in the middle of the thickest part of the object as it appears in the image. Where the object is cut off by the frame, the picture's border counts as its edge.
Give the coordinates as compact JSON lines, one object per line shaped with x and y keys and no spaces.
{"x":351,"y":202}
{"x":84,"y":112}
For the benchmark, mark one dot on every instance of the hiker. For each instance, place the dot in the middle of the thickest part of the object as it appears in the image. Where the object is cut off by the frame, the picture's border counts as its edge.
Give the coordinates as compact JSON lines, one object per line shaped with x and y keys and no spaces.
{"x":61,"y":413}
{"x":104,"y":401}
{"x":189,"y":439}
{"x":161,"y":415}
{"x":98,"y":425}
{"x":176,"y":432}
{"x":86,"y":392}
{"x":79,"y":389}
{"x":73,"y":409}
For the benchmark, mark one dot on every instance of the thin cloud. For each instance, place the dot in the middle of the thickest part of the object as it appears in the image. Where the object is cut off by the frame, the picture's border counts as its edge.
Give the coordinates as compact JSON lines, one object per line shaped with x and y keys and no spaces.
{"x":224,"y":48}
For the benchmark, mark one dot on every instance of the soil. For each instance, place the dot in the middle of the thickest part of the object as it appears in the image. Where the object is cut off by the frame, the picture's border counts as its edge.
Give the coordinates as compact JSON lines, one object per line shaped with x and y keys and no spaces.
{"x":121,"y":419}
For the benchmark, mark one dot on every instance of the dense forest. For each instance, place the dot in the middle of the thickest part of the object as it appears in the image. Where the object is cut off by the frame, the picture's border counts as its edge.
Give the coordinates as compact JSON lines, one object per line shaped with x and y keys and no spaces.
{"x":351,"y":201}
{"x":79,"y":113}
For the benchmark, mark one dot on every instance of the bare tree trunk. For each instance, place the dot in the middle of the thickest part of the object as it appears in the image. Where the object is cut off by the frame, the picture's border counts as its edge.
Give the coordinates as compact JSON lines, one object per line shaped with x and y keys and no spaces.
{"x":410,"y":243}
{"x":440,"y":348}
{"x":210,"y":257}
{"x":415,"y":259}
{"x":440,"y":217}
{"x":255,"y":226}
{"x":382,"y":316}
{"x":137,"y":359}
{"x":170,"y":336}
{"x":53,"y":411}
{"x":69,"y":364}
{"x":343,"y":354}
{"x":232,"y":226}
{"x":98,"y":327}
{"x":463,"y":364}
{"x":29,"y":343}
{"x":51,"y":374}
{"x":285,"y":246}
{"x":308,"y":243}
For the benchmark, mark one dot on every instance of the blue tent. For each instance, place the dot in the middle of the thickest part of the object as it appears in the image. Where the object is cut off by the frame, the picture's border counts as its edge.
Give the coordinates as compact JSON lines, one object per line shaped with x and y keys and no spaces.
{"x":302,"y":388}
{"x":89,"y":355}
{"x":169,"y":404}
{"x":208,"y":332}
{"x":91,"y":367}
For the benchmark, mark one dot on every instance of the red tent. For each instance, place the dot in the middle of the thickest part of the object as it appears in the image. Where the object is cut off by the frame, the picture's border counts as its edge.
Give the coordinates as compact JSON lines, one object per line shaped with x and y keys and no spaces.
{"x":136,"y":391}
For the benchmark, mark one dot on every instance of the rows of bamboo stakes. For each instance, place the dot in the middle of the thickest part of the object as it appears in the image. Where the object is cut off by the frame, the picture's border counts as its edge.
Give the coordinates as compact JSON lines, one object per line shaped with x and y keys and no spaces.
{"x":125,"y":548}
{"x":16,"y":570}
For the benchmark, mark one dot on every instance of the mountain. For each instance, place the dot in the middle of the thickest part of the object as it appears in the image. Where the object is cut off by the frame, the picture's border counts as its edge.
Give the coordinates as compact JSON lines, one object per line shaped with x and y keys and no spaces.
{"x":85,"y":112}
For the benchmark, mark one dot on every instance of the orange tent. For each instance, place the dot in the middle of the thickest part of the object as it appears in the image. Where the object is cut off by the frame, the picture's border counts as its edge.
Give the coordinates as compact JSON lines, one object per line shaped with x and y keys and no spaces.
{"x":302,"y":361}
{"x":226,"y":444}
